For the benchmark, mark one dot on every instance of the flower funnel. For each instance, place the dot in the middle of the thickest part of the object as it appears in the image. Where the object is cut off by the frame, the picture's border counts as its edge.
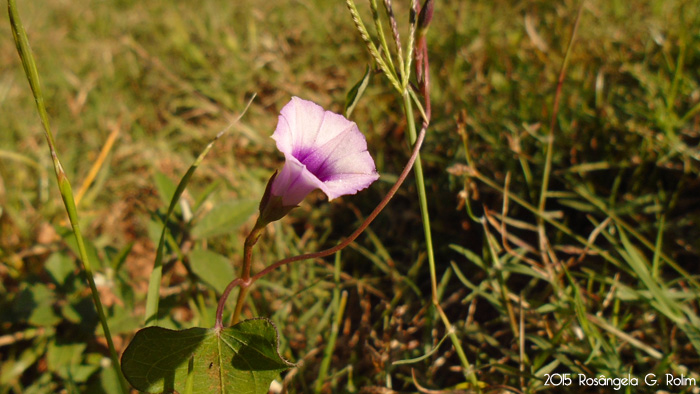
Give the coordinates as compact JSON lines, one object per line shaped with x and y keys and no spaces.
{"x":322,"y":150}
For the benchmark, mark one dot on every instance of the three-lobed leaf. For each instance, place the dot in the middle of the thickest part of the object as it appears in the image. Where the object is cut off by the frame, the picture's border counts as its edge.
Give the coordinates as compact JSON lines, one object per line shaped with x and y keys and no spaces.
{"x":240,"y":359}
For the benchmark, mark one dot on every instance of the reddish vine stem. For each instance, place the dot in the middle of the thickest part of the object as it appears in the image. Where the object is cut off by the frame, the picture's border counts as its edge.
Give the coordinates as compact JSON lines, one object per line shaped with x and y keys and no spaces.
{"x":222,"y":301}
{"x":250,"y":241}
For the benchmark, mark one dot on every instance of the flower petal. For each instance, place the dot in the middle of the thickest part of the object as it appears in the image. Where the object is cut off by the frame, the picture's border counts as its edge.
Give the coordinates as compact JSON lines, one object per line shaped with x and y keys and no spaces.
{"x":322,"y":150}
{"x":299,"y":123}
{"x":350,"y":142}
{"x":304,"y":125}
{"x":348,"y":184}
{"x":294,"y":182}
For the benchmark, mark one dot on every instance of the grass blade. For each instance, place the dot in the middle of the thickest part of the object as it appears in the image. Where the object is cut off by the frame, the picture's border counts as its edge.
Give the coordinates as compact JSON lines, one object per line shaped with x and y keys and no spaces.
{"x":153,"y":296}
{"x":30,"y":69}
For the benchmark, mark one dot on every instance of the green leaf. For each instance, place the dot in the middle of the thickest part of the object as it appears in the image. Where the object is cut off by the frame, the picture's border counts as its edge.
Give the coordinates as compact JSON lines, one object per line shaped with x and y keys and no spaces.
{"x":68,"y":237}
{"x":165,"y":186}
{"x":65,"y":360}
{"x":59,"y":266}
{"x":13,"y":368}
{"x":205,"y":194}
{"x":117,"y":260}
{"x":524,"y":270}
{"x":239,"y":359}
{"x":35,"y":303}
{"x":639,"y":265}
{"x":109,"y":381}
{"x":122,"y":320}
{"x":213,"y":268}
{"x":356,"y":92}
{"x":423,"y":357}
{"x":471,"y":256}
{"x":224,"y":218}
{"x":61,"y":355}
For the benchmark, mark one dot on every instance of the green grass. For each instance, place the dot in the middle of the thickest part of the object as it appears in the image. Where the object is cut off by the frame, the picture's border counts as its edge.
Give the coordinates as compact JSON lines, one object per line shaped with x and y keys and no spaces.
{"x":617,"y":293}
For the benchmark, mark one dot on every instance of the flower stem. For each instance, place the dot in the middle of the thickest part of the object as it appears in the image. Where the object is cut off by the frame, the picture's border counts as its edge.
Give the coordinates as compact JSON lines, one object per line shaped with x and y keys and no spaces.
{"x":250,"y":241}
{"x":420,"y":185}
{"x":239,"y":305}
{"x":243,"y":281}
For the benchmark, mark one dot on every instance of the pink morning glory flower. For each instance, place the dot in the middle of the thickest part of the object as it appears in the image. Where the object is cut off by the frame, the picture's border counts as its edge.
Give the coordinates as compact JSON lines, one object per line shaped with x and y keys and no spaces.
{"x":322,"y":150}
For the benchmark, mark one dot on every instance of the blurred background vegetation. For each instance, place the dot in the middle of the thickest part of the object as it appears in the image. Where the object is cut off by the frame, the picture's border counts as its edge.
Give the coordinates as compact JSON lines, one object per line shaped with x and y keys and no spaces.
{"x":613,"y":290}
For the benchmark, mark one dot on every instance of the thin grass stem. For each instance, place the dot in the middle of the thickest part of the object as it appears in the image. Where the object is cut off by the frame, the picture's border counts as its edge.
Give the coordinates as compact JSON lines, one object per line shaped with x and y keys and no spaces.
{"x":550,"y":152}
{"x":382,"y":36}
{"x":677,"y":75}
{"x":30,"y":69}
{"x":338,"y":304}
{"x":420,"y":185}
{"x":423,"y":201}
{"x":410,"y":48}
{"x":397,"y":38}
